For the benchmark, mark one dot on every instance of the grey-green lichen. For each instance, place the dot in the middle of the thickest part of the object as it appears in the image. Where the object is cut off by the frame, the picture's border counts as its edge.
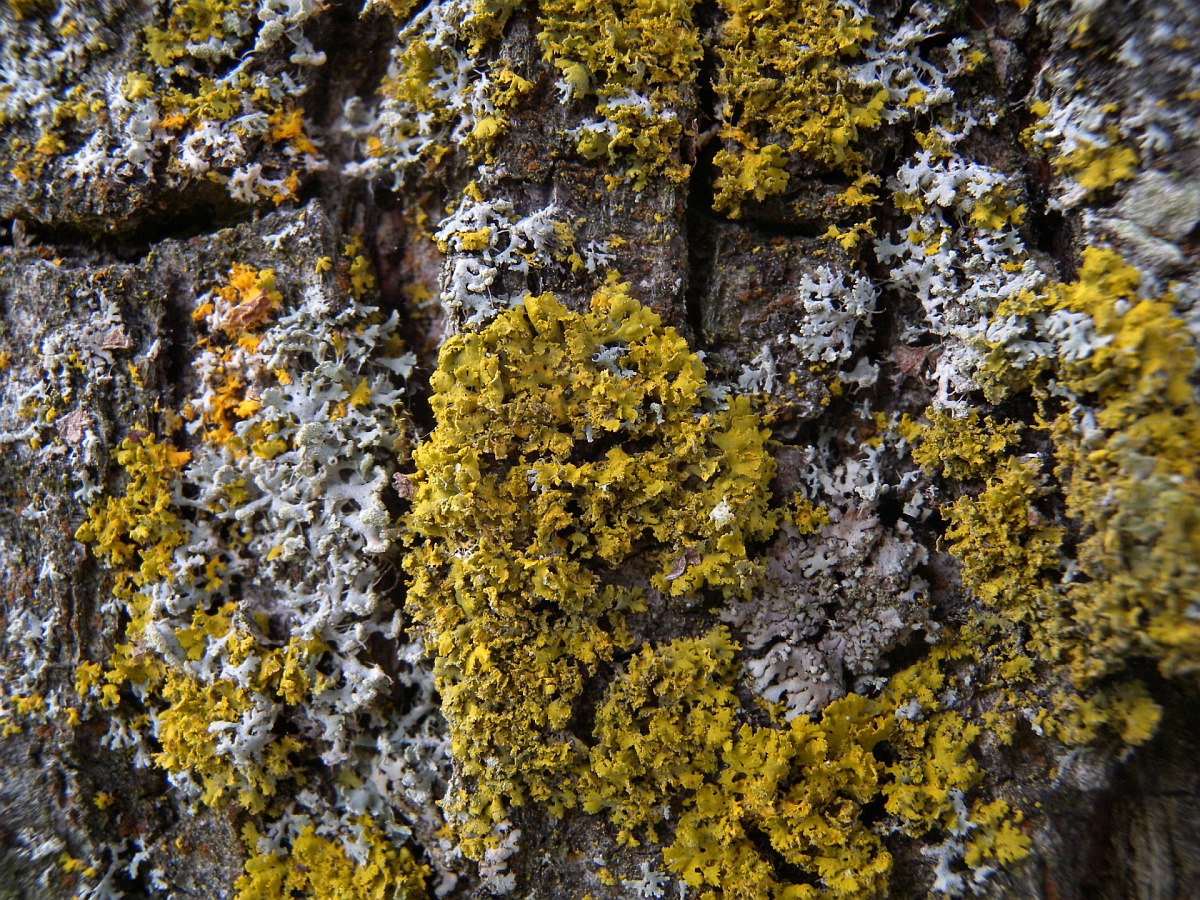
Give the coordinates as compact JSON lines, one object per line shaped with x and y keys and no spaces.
{"x":241,"y":670}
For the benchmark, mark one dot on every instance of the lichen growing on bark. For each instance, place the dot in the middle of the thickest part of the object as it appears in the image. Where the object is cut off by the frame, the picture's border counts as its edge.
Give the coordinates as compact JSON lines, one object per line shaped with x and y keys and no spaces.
{"x":567,"y":445}
{"x":945,"y":251}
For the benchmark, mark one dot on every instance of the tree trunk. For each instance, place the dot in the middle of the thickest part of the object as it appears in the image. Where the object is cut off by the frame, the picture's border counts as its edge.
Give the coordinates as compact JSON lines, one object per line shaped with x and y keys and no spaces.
{"x":720,"y":449}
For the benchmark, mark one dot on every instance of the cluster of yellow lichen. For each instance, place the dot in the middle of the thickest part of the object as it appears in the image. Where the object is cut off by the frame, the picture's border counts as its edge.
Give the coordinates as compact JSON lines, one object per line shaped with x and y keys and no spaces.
{"x":1127,"y":465}
{"x":631,"y":61}
{"x":1011,"y":550}
{"x":144,"y":520}
{"x":668,"y":733}
{"x":1116,"y":580}
{"x":784,"y":83}
{"x":56,"y":102}
{"x":636,"y":58}
{"x":963,"y":449}
{"x":786,"y":92}
{"x":567,"y":444}
{"x":572,"y":448}
{"x":433,"y":108}
{"x":137,"y":533}
{"x":1094,"y":164}
{"x":201,"y":91}
{"x":189,"y":741}
{"x":192,"y":97}
{"x":215,"y":667}
{"x":320,"y":868}
{"x":1131,"y":477}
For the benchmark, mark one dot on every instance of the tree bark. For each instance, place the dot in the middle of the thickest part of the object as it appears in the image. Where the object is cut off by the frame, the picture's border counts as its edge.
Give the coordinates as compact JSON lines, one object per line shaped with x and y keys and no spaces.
{"x":257,"y":256}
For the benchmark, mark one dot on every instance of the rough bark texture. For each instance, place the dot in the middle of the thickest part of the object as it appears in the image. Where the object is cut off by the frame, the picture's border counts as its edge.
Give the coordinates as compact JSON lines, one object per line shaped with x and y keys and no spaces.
{"x":338,"y":559}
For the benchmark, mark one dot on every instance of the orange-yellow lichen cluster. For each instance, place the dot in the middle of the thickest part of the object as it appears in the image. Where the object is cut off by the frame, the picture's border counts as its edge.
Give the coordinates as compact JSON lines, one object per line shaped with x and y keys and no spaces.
{"x":569,"y":445}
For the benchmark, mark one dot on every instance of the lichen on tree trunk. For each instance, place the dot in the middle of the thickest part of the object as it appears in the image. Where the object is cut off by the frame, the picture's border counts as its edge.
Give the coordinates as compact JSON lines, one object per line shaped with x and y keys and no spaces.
{"x":629,"y":449}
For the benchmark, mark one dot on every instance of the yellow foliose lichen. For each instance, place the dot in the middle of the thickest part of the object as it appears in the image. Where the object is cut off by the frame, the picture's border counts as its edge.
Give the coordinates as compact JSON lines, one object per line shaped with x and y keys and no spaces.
{"x":142,"y":521}
{"x":1008,"y":553}
{"x":677,"y":699}
{"x":1117,"y":580}
{"x":319,"y":868}
{"x":785,"y":89}
{"x":1128,"y":467}
{"x":1132,"y":480}
{"x":636,"y":58}
{"x":1098,"y":167}
{"x":190,"y":731}
{"x":669,"y":735}
{"x":962,"y":448}
{"x":567,"y":443}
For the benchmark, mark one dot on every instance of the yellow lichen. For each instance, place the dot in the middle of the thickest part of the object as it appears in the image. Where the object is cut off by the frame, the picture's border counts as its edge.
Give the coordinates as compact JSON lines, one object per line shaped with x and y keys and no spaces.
{"x":994,"y":211}
{"x":996,"y":837}
{"x":1123,"y":419}
{"x":677,"y":698}
{"x":319,"y":868}
{"x":1126,"y":708}
{"x":362,"y":277}
{"x":616,"y":49}
{"x":189,"y":730}
{"x":252,"y":297}
{"x":415,"y":77}
{"x":287,"y":126}
{"x":1133,"y":481}
{"x":785,"y":91}
{"x":805,"y":516}
{"x":142,"y":522}
{"x":1130,"y":474}
{"x":1009,"y":554}
{"x":962,"y":448}
{"x":212,"y":727}
{"x":566,"y":443}
{"x":1098,"y":167}
{"x":668,"y":733}
{"x":189,"y":22}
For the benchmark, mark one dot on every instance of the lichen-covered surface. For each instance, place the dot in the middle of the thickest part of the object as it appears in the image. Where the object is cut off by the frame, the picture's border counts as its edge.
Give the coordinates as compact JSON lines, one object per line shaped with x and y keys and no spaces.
{"x":637,"y":449}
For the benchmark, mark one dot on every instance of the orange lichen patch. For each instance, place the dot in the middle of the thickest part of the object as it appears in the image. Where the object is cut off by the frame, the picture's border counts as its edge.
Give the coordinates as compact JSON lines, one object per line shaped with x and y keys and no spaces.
{"x":225,"y":406}
{"x":287,"y":191}
{"x":253,"y":295}
{"x":288,"y":125}
{"x":246,"y":303}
